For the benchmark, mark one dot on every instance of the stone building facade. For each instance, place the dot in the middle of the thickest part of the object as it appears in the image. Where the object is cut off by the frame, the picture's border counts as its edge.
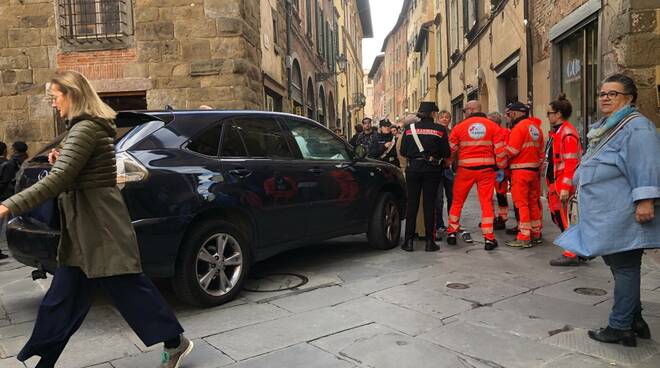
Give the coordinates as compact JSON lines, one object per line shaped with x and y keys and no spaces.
{"x":483,"y":54}
{"x":421,"y":51}
{"x":354,"y":23}
{"x":369,"y":93}
{"x":395,"y":49}
{"x":143,"y":54}
{"x":577,"y":43}
{"x":378,"y":76}
{"x":499,"y":51}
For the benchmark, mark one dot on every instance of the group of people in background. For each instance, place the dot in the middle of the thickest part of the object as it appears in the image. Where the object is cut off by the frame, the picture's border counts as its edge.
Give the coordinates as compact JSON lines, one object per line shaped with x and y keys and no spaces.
{"x":615,"y":185}
{"x":494,"y":152}
{"x":8,"y":169}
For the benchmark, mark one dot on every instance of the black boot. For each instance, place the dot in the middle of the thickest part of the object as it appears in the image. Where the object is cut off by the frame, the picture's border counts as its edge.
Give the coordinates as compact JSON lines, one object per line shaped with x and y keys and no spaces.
{"x":451,"y":239}
{"x":431,"y":246}
{"x":408,"y":245}
{"x":640,"y":326}
{"x":611,"y":335}
{"x":499,"y":223}
{"x":564,"y":261}
{"x":490,"y":244}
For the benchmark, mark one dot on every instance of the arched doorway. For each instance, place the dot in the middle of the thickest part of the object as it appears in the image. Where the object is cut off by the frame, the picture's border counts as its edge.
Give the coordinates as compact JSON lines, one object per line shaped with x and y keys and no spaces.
{"x":296,"y":88}
{"x":332,"y":118}
{"x":310,"y":103}
{"x":322,"y":113}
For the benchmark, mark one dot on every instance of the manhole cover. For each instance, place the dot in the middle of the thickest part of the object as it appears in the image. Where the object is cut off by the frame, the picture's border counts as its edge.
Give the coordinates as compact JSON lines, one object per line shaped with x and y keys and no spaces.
{"x":457,"y":285}
{"x":275,"y":282}
{"x":590,"y":291}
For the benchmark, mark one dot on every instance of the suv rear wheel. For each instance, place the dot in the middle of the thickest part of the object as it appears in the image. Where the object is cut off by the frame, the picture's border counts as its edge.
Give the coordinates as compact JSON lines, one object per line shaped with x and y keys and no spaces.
{"x":385,"y":224}
{"x":212,"y":265}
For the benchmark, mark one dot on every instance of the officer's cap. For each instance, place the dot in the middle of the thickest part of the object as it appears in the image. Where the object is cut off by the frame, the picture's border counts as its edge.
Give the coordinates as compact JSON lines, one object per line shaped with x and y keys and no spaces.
{"x":518,"y":106}
{"x":428,"y":106}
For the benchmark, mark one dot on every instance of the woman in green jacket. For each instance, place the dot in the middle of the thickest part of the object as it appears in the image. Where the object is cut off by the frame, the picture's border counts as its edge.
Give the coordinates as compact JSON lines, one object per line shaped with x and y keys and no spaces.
{"x":98,"y":246}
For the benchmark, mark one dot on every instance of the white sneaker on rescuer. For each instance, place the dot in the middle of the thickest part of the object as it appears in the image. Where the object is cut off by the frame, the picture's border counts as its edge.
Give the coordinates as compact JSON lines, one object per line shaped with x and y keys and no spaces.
{"x":171,"y":358}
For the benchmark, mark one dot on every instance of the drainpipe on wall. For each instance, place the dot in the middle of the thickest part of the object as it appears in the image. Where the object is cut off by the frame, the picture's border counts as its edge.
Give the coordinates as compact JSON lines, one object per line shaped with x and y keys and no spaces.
{"x":288,"y":50}
{"x":449,"y":51}
{"x":530,"y":52}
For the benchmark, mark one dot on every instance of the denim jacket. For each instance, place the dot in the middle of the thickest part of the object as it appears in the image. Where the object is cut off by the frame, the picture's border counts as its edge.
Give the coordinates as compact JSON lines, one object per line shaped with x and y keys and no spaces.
{"x":626,"y":170}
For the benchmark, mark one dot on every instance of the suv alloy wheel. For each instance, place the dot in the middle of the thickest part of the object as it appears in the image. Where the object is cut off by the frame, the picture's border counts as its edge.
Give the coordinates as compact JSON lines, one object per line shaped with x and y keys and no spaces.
{"x":212,"y":264}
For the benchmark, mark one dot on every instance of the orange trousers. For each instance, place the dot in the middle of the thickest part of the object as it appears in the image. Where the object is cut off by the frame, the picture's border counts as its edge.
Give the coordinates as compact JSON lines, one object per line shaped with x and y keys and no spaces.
{"x":526,"y":193}
{"x":559,"y":213}
{"x":463,"y":183}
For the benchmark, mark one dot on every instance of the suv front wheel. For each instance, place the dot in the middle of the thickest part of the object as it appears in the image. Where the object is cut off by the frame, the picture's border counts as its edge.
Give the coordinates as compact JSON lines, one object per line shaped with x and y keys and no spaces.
{"x":212,"y":265}
{"x":385,"y":224}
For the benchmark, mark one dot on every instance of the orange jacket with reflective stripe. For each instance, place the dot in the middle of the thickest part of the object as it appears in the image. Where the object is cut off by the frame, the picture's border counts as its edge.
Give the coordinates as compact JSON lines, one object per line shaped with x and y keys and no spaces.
{"x":526,"y":145}
{"x":479,"y":142}
{"x":566,"y":152}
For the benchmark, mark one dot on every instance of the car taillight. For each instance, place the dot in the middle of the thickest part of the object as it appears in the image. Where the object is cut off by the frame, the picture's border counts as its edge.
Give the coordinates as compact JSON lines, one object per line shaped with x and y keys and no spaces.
{"x":129,"y":170}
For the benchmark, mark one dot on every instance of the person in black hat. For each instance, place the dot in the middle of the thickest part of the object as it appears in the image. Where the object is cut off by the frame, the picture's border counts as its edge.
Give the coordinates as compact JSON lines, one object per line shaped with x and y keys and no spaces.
{"x":425,"y":145}
{"x":515,"y":112}
{"x":383,"y":144}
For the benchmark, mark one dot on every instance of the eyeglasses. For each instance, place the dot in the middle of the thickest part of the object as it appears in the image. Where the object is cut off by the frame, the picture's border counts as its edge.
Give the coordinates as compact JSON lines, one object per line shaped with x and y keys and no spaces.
{"x":612,"y":94}
{"x":550,"y":113}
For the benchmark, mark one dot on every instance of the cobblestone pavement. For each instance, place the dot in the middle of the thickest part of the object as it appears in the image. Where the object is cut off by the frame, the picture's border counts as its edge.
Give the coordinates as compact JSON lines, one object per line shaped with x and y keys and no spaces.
{"x":459,"y":307}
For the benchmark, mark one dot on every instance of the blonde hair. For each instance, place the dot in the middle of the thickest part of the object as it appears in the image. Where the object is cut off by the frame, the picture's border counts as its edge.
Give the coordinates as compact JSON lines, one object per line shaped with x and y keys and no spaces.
{"x":83,"y":98}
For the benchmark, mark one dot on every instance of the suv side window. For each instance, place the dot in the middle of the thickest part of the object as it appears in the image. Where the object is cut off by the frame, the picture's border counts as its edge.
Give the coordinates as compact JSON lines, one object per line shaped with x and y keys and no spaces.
{"x":206,"y":143}
{"x":255,"y":137}
{"x":232,"y":143}
{"x":316,"y":143}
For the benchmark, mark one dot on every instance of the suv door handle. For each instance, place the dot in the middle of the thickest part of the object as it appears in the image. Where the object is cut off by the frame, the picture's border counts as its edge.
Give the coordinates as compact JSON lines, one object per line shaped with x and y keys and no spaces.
{"x":241,"y":172}
{"x":315,"y":170}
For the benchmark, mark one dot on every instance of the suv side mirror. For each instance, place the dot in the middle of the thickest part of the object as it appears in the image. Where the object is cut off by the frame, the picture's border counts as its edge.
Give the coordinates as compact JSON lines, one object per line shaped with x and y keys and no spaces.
{"x":360,"y":153}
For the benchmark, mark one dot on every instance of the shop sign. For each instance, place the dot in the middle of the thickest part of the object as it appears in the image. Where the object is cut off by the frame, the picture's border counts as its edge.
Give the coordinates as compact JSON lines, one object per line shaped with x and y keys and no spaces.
{"x":573,"y":70}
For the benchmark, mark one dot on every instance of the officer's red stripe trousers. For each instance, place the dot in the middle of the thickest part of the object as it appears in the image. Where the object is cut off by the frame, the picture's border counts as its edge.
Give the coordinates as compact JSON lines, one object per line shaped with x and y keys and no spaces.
{"x":463,"y":182}
{"x":526,"y":193}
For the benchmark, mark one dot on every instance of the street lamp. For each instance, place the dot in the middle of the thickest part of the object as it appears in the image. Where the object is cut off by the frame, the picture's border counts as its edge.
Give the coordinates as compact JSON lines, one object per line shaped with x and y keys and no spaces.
{"x":342,"y":62}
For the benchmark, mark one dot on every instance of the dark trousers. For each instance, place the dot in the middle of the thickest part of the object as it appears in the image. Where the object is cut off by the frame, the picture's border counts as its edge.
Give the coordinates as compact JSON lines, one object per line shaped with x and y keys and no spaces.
{"x":426,"y":182}
{"x":625,"y":267}
{"x":69,"y":298}
{"x":445,"y":189}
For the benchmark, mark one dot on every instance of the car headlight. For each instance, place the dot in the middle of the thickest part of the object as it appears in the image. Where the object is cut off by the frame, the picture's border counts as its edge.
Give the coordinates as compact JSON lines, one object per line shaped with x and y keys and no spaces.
{"x":129,"y":170}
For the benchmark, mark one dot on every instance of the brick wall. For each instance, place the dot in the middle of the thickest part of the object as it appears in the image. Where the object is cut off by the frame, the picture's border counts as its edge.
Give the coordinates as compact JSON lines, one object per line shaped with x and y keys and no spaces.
{"x":97,"y":65}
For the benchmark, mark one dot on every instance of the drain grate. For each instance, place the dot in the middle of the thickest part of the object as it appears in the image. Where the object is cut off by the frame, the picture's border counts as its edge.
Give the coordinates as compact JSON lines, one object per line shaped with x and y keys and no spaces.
{"x":590,"y":291}
{"x":275,"y":282}
{"x":457,"y":285}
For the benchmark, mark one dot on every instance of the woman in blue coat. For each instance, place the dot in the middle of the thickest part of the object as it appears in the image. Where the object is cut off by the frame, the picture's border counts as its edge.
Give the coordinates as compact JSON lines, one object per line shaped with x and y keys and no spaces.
{"x":618,"y":191}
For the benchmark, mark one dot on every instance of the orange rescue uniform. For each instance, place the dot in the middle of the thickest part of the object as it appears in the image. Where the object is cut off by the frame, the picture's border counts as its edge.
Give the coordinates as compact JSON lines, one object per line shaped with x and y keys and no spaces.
{"x":563,"y":157}
{"x":525,"y":149}
{"x":480,"y":145}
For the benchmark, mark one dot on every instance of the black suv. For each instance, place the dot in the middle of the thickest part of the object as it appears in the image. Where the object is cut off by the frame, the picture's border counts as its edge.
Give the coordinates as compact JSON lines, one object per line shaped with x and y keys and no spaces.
{"x":211,"y":192}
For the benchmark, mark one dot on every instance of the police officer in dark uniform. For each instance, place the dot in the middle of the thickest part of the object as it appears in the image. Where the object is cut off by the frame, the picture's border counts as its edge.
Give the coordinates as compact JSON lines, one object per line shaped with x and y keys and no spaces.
{"x":383,"y":144}
{"x":424,"y":144}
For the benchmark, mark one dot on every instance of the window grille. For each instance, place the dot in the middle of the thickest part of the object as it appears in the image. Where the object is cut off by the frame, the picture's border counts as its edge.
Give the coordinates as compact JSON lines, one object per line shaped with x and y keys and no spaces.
{"x":94,"y":21}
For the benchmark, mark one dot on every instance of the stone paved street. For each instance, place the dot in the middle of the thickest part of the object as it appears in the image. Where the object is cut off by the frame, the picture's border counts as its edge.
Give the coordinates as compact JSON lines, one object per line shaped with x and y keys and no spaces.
{"x":368,"y":308}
